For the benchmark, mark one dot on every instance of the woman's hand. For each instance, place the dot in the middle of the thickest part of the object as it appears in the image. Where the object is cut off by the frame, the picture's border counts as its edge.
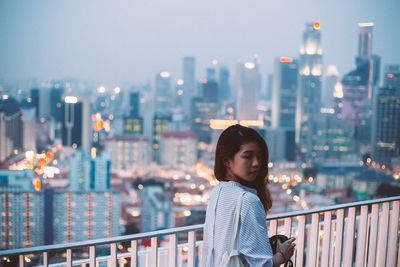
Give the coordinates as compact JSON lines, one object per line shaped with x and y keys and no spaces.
{"x":286,"y":248}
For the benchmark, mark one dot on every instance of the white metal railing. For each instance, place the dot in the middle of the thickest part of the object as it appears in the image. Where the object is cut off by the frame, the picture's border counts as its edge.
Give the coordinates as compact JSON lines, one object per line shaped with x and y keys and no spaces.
{"x":354,"y":234}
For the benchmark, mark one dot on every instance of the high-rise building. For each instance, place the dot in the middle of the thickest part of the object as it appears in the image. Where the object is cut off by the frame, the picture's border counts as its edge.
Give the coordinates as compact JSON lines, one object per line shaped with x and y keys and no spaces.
{"x":4,"y":150}
{"x":160,"y":124}
{"x":331,"y":80}
{"x":358,"y":89}
{"x":156,"y":207}
{"x":210,"y":90}
{"x":284,"y":94}
{"x":309,"y":93}
{"x":178,"y":150}
{"x":224,"y":84}
{"x":248,"y":88}
{"x":89,"y":173}
{"x":134,"y":104}
{"x":162,"y":91}
{"x":189,"y":80}
{"x":386,"y":118}
{"x":202,"y":112}
{"x":55,"y":217}
{"x":56,"y":100}
{"x":128,"y":152}
{"x":13,"y":122}
{"x":76,"y":123}
{"x":29,"y":134}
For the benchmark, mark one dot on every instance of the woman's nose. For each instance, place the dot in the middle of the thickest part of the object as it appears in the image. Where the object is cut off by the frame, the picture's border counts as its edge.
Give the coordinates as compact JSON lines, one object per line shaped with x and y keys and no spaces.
{"x":255,"y":162}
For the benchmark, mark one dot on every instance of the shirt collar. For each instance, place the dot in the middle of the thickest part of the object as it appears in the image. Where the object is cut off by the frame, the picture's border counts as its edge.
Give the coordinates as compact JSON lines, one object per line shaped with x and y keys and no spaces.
{"x":237,"y":184}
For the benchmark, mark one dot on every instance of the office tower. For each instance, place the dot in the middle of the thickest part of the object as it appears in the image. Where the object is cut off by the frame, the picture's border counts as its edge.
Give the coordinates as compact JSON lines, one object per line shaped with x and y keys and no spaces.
{"x":128,"y":152}
{"x":189,"y":80}
{"x":4,"y":141}
{"x":160,"y":124}
{"x":202,"y":112}
{"x":89,"y":173}
{"x":281,"y":144}
{"x":224,"y":84}
{"x":386,"y":118}
{"x":358,"y":89}
{"x":13,"y":122}
{"x":29,"y":129}
{"x":56,"y":217}
{"x":210,"y":90}
{"x":162,"y":91}
{"x":16,"y":181}
{"x":284,"y":94}
{"x":269,"y":87}
{"x":178,"y":150}
{"x":309,"y":93}
{"x":76,"y":123}
{"x":56,"y":100}
{"x":133,"y":126}
{"x":331,"y":80}
{"x":134,"y":104}
{"x":156,"y":207}
{"x":248,"y":87}
{"x":35,"y":100}
{"x":334,"y":140}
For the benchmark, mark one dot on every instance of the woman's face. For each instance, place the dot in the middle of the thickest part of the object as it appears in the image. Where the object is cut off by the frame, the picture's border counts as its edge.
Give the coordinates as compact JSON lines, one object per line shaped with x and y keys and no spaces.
{"x":245,"y":164}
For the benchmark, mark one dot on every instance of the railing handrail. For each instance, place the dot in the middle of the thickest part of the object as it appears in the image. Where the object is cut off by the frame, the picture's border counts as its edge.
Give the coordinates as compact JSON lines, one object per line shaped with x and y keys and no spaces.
{"x":102,"y":241}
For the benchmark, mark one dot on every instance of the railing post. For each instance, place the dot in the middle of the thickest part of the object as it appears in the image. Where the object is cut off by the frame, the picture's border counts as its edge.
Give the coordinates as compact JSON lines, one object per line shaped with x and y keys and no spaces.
{"x":348,"y":246}
{"x":338,"y":238}
{"x":326,"y":239}
{"x":45,"y":259}
{"x":301,"y":220}
{"x":154,"y":252}
{"x":134,"y":253}
{"x":172,"y":250}
{"x":21,"y":260}
{"x":69,"y":257}
{"x":113,"y":254}
{"x":362,"y":237}
{"x":92,"y":256}
{"x":382,"y":235}
{"x":192,"y":248}
{"x":373,"y":235}
{"x":312,"y":253}
{"x":393,"y":230}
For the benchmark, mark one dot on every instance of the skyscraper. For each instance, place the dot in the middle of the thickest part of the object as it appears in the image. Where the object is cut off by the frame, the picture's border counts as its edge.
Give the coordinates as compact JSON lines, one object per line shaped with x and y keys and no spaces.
{"x":189,"y":80}
{"x":284,"y":94}
{"x":134,"y":104}
{"x":358,"y":89}
{"x":309,"y":94}
{"x":386,"y":120}
{"x":330,"y":81}
{"x":224,"y":85}
{"x":163,"y":91}
{"x":248,"y":88}
{"x":76,"y":123}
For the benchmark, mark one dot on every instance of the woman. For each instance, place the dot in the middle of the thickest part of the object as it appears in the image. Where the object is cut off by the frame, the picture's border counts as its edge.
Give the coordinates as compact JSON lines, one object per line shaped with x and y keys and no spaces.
{"x":241,"y":160}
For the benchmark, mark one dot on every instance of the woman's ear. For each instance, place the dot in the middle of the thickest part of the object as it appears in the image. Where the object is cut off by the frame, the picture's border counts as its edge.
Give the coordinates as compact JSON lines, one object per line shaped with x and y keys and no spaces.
{"x":227,"y":163}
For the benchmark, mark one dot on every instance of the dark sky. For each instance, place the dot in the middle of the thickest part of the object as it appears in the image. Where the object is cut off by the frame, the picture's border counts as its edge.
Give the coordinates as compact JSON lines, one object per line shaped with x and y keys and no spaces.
{"x":131,"y":40}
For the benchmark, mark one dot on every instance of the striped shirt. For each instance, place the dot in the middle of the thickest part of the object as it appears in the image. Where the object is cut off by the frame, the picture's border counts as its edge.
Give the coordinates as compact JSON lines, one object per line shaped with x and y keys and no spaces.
{"x":253,"y":242}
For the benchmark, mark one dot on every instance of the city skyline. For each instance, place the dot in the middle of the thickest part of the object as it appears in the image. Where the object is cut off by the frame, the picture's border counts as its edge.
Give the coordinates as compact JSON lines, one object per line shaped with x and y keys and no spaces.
{"x":130,"y":42}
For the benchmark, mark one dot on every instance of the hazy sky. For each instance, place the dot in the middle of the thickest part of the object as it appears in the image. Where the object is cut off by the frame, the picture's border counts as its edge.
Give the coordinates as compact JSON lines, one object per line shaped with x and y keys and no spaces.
{"x":131,"y":40}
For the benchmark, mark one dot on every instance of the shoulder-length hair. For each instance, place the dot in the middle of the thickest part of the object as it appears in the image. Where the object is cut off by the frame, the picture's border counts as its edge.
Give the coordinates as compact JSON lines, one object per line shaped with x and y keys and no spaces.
{"x":229,"y":143}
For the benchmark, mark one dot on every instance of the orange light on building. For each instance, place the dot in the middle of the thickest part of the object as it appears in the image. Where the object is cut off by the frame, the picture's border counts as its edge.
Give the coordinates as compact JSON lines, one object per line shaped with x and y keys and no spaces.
{"x":285,"y":59}
{"x":317,"y":25}
{"x":43,"y":161}
{"x":49,"y":155}
{"x":37,"y":184}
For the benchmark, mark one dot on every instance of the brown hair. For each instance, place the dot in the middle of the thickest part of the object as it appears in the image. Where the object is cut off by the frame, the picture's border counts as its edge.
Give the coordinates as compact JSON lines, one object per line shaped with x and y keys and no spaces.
{"x":229,"y":143}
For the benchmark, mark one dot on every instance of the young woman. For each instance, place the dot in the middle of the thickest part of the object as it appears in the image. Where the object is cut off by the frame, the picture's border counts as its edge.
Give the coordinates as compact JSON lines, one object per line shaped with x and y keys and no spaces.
{"x":241,"y":160}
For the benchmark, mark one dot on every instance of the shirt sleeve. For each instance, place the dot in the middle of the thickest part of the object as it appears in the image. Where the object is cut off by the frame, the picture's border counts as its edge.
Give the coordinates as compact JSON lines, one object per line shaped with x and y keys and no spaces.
{"x":253,"y":242}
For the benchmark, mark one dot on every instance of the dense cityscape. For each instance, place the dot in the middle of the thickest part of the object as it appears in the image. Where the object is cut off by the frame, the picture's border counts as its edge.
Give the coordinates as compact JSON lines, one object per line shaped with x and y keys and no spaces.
{"x":81,"y":161}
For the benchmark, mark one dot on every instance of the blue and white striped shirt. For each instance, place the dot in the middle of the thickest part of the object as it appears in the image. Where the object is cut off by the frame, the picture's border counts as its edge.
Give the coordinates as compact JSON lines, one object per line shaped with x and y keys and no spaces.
{"x":253,"y":242}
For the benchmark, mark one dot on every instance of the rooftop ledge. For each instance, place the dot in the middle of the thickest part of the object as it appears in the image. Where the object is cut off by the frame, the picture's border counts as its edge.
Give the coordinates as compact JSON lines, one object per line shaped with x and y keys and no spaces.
{"x":362,"y":233}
